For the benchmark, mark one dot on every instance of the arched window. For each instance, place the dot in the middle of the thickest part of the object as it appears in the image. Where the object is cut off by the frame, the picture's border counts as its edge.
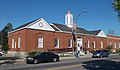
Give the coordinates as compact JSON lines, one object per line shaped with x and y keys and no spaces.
{"x":94,"y":44}
{"x":87,"y":44}
{"x":13,"y":42}
{"x":69,"y":43}
{"x":101,"y":44}
{"x":115,"y":44}
{"x":119,"y":44}
{"x":19,"y":41}
{"x":39,"y":40}
{"x":56,"y":42}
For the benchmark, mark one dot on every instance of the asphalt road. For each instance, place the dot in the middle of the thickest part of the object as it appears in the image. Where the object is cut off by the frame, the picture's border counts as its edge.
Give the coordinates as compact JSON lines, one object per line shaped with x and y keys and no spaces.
{"x":110,"y":63}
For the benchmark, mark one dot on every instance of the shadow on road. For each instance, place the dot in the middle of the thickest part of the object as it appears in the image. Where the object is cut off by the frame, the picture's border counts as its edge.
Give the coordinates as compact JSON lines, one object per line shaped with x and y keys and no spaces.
{"x":102,"y":65}
{"x":8,"y":62}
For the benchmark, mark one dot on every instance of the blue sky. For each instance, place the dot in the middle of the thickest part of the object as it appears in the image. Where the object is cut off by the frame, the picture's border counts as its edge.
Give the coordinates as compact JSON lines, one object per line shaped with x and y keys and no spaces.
{"x":100,"y":13}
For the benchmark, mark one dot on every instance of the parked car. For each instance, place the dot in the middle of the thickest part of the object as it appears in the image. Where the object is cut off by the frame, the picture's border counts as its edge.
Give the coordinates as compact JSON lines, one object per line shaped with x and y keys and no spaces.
{"x":42,"y":57}
{"x":1,"y":53}
{"x":100,"y":53}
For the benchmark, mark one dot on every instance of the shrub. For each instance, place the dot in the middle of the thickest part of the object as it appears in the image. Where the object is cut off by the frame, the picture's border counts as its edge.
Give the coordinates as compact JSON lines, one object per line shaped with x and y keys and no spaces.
{"x":118,"y":50}
{"x":32,"y":53}
{"x":91,"y":50}
{"x":9,"y":58}
{"x":109,"y":48}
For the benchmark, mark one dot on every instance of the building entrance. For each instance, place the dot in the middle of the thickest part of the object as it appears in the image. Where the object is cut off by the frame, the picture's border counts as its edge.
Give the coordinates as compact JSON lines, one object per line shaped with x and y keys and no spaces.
{"x":79,"y":45}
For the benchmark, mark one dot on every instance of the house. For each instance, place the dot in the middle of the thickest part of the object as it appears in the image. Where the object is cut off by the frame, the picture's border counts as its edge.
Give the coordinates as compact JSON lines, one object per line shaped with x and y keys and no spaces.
{"x":40,"y":35}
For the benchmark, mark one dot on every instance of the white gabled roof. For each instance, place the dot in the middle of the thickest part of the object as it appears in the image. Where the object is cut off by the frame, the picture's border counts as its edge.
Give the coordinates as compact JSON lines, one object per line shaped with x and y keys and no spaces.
{"x":101,"y":34}
{"x":39,"y":24}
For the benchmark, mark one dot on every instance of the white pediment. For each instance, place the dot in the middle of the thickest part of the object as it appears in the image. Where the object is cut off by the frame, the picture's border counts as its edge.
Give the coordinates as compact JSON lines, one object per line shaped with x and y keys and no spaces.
{"x":101,"y":34}
{"x":40,"y":25}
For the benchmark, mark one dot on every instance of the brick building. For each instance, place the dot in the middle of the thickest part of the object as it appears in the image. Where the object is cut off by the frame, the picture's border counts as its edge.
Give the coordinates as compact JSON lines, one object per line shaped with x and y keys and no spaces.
{"x":39,"y":34}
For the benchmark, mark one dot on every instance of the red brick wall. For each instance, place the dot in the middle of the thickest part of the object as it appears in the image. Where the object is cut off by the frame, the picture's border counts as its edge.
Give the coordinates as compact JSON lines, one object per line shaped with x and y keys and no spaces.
{"x":29,"y":40}
{"x":48,"y":38}
{"x":14,"y":35}
{"x":113,"y":39}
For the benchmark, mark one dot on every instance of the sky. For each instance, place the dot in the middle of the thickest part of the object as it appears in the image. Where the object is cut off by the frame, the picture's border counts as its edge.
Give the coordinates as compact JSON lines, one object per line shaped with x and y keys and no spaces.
{"x":100,"y":13}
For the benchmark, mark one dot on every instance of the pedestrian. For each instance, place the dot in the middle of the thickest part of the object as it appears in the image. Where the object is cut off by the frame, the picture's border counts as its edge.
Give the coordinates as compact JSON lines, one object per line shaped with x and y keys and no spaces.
{"x":78,"y":51}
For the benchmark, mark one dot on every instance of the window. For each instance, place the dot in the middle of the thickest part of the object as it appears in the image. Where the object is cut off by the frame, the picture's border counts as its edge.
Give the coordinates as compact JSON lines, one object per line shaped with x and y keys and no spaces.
{"x":12,"y":43}
{"x":88,"y":44}
{"x":69,"y":43}
{"x":110,"y":43}
{"x":67,"y":19}
{"x":15,"y":44}
{"x":19,"y":40}
{"x":56,"y":43}
{"x":71,"y":19}
{"x":40,"y":42}
{"x":101,"y":44}
{"x":94,"y":44}
{"x":119,"y":45}
{"x":114,"y":44}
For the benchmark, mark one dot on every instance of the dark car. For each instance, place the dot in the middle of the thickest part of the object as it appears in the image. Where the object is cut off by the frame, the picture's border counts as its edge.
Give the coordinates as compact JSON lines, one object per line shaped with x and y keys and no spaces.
{"x":100,"y":53}
{"x":42,"y":57}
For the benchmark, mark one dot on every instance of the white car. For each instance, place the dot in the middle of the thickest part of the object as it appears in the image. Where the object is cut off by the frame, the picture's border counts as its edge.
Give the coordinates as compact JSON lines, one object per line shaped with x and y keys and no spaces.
{"x":1,"y":53}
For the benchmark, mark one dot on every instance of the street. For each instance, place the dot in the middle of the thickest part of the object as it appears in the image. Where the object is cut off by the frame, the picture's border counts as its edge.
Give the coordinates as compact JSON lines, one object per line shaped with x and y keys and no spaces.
{"x":110,"y":63}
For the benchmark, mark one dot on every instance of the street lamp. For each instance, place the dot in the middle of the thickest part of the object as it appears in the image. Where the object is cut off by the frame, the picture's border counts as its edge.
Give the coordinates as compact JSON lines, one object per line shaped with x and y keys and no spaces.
{"x":73,"y":35}
{"x":79,"y":15}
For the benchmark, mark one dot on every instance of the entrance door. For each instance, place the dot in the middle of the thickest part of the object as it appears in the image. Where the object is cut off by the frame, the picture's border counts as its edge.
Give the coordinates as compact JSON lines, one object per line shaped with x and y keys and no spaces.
{"x":79,"y":43}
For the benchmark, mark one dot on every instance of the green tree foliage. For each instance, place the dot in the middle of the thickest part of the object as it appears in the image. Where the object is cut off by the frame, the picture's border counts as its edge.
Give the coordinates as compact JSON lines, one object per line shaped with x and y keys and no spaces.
{"x":109,"y":47}
{"x":116,"y":6}
{"x":4,"y":37}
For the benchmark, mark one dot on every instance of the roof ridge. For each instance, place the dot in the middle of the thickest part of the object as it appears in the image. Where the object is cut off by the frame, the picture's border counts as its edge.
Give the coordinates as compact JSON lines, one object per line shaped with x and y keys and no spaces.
{"x":57,"y":27}
{"x":58,"y":24}
{"x":27,"y":23}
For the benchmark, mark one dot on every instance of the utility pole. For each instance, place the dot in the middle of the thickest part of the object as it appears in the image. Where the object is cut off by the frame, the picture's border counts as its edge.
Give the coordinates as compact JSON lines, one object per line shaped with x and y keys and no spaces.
{"x":76,"y":49}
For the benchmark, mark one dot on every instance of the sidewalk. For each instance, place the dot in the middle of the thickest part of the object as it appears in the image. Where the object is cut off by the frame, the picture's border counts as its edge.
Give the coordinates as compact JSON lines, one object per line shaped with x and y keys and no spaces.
{"x":72,"y":57}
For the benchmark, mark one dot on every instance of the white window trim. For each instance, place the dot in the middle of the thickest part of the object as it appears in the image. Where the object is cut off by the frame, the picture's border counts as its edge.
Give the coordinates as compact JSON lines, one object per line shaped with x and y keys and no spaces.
{"x":101,"y":44}
{"x":40,"y":46}
{"x":58,"y":43}
{"x":114,"y":44}
{"x":70,"y":43}
{"x":119,"y":45}
{"x":88,"y":44}
{"x":19,"y":42}
{"x":13,"y":43}
{"x":110,"y":43}
{"x":94,"y":44}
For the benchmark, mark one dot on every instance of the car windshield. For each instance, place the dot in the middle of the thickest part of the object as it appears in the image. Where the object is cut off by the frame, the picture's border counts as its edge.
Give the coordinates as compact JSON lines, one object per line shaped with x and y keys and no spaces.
{"x":38,"y":53}
{"x":105,"y":50}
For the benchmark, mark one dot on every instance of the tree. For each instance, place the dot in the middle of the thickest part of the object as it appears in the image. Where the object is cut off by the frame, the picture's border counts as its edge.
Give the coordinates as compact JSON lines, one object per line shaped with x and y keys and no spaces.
{"x":116,"y":6}
{"x":109,"y":48}
{"x":4,"y":37}
{"x":111,"y":32}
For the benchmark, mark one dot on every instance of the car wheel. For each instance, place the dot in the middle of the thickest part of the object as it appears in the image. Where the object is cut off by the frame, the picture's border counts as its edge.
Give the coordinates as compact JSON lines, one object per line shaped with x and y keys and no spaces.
{"x":55,"y":59}
{"x":100,"y":56}
{"x":107,"y":55}
{"x":27,"y":62}
{"x":35,"y":61}
{"x":0,"y":54}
